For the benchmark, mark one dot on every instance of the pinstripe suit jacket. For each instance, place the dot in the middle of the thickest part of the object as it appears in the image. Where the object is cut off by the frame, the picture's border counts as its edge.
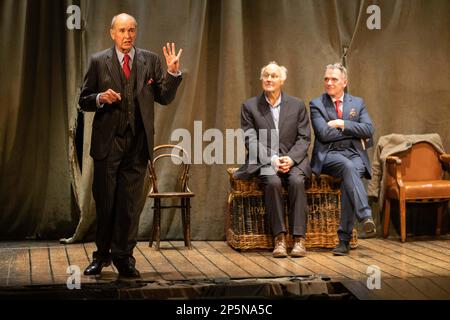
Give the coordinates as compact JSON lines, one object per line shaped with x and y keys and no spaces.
{"x":152,"y":85}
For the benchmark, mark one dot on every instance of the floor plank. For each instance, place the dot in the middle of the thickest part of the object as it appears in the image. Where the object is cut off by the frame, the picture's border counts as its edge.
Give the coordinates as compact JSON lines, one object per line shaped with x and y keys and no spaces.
{"x":417,"y":258}
{"x":391,"y":257}
{"x":40,"y":266}
{"x":59,"y":264}
{"x":405,"y":289}
{"x":358,"y":265}
{"x":208,"y":268}
{"x":20,"y":272}
{"x":251,"y":267}
{"x":293,"y":265}
{"x":360,"y":290}
{"x":267,"y":266}
{"x":434,"y":248}
{"x":148,"y":272}
{"x":378,"y":258}
{"x":6,"y":262}
{"x":387,"y":292}
{"x":222,"y":262}
{"x":442,"y":282}
{"x":164,"y":267}
{"x":387,"y":270}
{"x":443,"y":243}
{"x":183,"y":265}
{"x":411,"y":270}
{"x":429,"y":288}
{"x":332,"y":262}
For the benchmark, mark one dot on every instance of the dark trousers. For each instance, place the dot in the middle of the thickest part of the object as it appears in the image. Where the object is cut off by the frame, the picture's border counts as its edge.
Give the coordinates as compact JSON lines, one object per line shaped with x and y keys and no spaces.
{"x":118,"y":188}
{"x":347,"y":165}
{"x":295,"y":182}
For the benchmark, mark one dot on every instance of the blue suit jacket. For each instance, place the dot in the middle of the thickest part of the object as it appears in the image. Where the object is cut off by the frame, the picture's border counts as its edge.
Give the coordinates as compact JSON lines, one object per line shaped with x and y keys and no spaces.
{"x":358,"y":129}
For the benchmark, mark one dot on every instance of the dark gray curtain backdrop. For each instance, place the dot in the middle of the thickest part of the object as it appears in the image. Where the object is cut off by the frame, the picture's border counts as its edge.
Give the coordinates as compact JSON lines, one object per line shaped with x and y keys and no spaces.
{"x":402,"y":71}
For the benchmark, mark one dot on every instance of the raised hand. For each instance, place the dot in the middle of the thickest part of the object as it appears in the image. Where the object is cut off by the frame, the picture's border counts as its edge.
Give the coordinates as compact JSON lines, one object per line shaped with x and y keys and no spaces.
{"x":172,"y":59}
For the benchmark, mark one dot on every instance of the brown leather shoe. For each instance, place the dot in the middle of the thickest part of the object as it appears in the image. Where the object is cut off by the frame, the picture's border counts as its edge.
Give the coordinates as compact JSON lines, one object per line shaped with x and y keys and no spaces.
{"x":299,"y":249}
{"x":279,"y":250}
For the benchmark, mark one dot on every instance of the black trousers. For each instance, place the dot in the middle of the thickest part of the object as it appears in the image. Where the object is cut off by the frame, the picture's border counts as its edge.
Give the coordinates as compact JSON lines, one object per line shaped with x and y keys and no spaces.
{"x":298,"y":206}
{"x":118,"y":190}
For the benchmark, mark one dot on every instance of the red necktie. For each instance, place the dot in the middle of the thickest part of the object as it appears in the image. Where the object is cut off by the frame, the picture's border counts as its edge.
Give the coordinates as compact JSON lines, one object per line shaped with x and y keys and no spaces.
{"x":338,"y":110}
{"x":126,"y":66}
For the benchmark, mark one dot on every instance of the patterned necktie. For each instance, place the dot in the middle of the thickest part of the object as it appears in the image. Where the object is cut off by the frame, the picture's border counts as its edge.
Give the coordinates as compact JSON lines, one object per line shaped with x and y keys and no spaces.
{"x":126,"y":66}
{"x":338,"y":109}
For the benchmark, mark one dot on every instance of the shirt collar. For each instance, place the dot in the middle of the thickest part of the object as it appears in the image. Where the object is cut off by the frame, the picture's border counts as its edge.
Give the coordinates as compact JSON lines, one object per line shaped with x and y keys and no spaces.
{"x":341,"y":99}
{"x":277,"y":103}
{"x":120,"y":55}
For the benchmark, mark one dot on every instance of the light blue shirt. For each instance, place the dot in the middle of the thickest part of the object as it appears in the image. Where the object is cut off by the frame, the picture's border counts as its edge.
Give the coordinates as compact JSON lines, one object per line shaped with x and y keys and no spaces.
{"x":275,"y":109}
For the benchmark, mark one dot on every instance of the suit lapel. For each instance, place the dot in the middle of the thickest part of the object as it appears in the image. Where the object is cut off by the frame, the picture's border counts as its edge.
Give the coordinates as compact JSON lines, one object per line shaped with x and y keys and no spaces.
{"x":329,"y":107}
{"x":284,"y":112}
{"x":264,"y":108}
{"x":141,"y":67}
{"x":114,"y":70}
{"x":346,"y":107}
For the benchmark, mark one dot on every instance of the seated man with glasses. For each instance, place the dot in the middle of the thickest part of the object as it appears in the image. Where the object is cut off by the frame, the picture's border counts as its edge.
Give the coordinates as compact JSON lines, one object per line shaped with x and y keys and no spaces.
{"x":277,"y":137}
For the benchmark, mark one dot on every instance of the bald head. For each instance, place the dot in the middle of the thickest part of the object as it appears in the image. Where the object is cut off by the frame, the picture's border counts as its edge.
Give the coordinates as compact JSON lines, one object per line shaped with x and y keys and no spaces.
{"x":122,"y":16}
{"x":123,"y":32}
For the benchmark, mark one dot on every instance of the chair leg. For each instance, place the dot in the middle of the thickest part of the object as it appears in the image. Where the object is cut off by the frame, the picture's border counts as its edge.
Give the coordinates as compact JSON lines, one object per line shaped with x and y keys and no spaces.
{"x":188,"y":223}
{"x":387,"y":216}
{"x":183,"y":219}
{"x":440,"y":213}
{"x":402,"y":205}
{"x":152,"y":237}
{"x":158,"y":222}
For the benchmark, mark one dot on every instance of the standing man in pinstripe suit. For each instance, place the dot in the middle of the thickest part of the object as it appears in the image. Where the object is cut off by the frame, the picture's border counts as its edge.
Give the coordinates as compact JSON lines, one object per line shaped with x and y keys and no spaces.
{"x":121,"y":85}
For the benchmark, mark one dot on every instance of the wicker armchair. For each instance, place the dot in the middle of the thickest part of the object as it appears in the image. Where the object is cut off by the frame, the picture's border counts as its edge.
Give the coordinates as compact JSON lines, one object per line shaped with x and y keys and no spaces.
{"x":248,"y":227}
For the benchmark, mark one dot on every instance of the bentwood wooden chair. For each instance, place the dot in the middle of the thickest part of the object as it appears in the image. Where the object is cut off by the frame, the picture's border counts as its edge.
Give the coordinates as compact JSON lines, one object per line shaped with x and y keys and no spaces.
{"x":416,"y":175}
{"x":182,"y":193}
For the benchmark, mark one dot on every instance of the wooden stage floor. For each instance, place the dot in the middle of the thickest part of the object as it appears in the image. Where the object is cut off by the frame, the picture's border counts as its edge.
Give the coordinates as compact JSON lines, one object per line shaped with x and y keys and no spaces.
{"x":417,"y":269}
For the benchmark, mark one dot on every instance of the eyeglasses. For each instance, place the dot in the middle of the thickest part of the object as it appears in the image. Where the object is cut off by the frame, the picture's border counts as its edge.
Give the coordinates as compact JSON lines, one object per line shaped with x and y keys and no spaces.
{"x":266,"y":76}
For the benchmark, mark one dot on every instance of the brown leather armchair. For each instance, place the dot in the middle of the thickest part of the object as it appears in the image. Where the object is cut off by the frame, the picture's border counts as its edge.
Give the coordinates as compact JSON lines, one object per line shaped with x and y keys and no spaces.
{"x":416,"y":175}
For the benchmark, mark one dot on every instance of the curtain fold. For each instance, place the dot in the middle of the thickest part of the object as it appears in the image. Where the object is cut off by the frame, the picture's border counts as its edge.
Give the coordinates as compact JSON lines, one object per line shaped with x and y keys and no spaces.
{"x":401,"y":71}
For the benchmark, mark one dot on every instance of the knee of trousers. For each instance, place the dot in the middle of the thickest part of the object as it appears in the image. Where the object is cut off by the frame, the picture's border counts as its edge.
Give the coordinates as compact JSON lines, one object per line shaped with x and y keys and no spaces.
{"x":273,"y":183}
{"x":296,"y":183}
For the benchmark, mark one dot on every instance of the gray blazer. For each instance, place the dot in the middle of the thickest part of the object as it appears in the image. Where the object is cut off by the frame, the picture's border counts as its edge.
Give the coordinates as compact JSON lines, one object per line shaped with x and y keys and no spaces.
{"x":294,"y":132}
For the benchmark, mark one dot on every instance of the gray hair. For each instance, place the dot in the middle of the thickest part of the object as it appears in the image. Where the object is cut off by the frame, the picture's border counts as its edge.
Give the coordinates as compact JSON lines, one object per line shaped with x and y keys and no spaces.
{"x":283,"y":70}
{"x":113,"y":21}
{"x":338,"y":66}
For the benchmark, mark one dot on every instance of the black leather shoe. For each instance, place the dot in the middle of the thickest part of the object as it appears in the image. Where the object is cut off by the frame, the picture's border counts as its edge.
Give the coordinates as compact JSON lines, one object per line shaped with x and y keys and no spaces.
{"x":128,"y":271}
{"x":369,"y":226}
{"x":342,"y":248}
{"x":96,"y":267}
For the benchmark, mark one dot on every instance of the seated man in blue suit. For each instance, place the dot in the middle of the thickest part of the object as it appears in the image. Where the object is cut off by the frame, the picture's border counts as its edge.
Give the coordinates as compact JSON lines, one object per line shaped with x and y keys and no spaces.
{"x":343,"y":131}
